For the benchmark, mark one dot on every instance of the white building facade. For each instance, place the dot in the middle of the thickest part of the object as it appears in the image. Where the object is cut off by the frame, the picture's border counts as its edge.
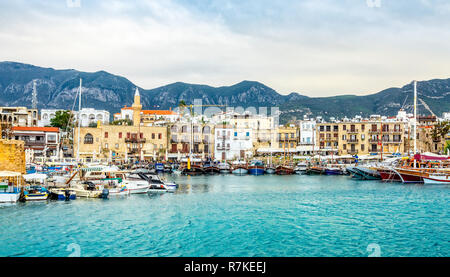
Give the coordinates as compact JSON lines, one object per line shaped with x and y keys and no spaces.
{"x":88,"y":116}
{"x":232,"y":143}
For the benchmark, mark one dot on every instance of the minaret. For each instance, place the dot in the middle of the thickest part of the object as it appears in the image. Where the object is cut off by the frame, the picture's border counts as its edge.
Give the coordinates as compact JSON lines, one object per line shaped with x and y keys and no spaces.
{"x":137,"y":107}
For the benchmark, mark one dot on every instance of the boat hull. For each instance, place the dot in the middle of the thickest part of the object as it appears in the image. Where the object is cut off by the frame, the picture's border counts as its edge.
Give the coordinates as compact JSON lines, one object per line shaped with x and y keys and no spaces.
{"x":9,"y":197}
{"x":388,"y":175}
{"x":270,"y":170}
{"x":240,"y":171}
{"x":256,"y":170}
{"x":437,"y":180}
{"x":36,"y":197}
{"x":283,"y":170}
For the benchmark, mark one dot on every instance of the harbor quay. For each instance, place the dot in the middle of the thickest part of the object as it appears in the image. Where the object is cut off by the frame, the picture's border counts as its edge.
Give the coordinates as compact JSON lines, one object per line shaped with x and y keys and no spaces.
{"x":176,"y":173}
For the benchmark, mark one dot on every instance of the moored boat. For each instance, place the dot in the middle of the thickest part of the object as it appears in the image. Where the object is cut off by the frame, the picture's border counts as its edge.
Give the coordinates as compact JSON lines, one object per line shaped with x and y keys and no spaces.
{"x":62,"y":194}
{"x":437,"y":179}
{"x":284,"y":170}
{"x":270,"y":170}
{"x":301,"y":168}
{"x":239,"y":168}
{"x":256,"y":168}
{"x":35,"y":193}
{"x":224,"y":167}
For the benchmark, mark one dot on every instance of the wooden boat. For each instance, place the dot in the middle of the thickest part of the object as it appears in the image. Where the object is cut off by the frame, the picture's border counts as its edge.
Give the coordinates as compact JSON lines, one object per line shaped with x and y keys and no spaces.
{"x":270,"y":170}
{"x":256,"y":168}
{"x":367,"y":173}
{"x":284,"y":170}
{"x":239,"y":168}
{"x":35,"y":193}
{"x":437,"y":179}
{"x":388,"y":175}
{"x":224,"y":167}
{"x":301,"y":168}
{"x":315,"y":170}
{"x":332,"y":171}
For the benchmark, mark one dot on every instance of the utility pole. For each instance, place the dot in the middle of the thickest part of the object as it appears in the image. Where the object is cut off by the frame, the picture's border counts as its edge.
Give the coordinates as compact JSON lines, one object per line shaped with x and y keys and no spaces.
{"x":79,"y":123}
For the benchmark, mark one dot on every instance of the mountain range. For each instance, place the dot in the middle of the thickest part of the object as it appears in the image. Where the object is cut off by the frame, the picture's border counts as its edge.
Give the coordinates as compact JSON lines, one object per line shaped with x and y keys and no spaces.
{"x":56,"y":89}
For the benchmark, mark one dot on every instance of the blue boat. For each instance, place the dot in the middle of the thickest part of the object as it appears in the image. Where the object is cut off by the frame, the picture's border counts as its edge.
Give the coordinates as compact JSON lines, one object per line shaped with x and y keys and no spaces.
{"x":159,"y":167}
{"x":256,"y":168}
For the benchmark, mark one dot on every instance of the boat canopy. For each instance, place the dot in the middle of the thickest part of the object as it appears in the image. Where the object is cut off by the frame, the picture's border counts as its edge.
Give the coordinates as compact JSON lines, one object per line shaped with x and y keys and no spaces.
{"x":431,"y":157}
{"x":35,"y":177}
{"x":9,"y":174}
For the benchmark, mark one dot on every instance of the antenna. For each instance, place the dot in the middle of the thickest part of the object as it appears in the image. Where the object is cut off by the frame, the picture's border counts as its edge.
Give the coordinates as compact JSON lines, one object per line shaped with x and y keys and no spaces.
{"x":34,"y":96}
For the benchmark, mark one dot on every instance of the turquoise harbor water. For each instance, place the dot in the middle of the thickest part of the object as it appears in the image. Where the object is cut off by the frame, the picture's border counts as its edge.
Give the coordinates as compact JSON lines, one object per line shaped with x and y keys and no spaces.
{"x":239,"y":216}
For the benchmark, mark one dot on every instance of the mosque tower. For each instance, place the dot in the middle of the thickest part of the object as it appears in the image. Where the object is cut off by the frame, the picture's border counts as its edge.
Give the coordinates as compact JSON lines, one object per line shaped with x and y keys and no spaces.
{"x":137,"y":107}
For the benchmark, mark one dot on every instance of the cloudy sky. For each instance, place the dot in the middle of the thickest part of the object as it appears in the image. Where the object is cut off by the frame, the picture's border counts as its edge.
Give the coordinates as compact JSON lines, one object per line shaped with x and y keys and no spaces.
{"x":314,"y":47}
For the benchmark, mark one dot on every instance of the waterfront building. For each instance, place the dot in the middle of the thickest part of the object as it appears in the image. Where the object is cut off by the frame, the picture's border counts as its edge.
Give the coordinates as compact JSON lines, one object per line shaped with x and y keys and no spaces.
{"x":191,"y":137}
{"x":120,"y":143}
{"x":123,"y":142}
{"x":40,"y":141}
{"x":232,"y":142}
{"x":362,"y":138}
{"x":262,"y":127}
{"x":16,"y":117}
{"x":88,"y":116}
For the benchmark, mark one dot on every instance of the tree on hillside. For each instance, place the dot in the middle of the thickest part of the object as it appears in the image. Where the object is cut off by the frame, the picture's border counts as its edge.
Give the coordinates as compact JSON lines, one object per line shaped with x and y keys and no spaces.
{"x":123,"y":122}
{"x":63,"y":120}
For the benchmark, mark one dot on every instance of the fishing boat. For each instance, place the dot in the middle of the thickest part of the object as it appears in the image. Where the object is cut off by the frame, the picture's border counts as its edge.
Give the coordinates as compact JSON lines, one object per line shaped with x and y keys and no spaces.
{"x":63,"y":194}
{"x":388,"y":174}
{"x":367,"y":173}
{"x":159,"y":167}
{"x":437,"y":179}
{"x":209,"y":167}
{"x":270,"y":170}
{"x":332,"y":171}
{"x":10,"y":183}
{"x":224,"y":167}
{"x":35,"y":193}
{"x":239,"y":168}
{"x":315,"y":170}
{"x":256,"y":168}
{"x":301,"y":168}
{"x":284,"y":170}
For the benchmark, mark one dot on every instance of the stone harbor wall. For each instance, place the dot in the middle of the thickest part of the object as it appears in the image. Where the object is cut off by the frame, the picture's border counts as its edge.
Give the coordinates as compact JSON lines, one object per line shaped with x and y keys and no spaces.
{"x":12,"y":156}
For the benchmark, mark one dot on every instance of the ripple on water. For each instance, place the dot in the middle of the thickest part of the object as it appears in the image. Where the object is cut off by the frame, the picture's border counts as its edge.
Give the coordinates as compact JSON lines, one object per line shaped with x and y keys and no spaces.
{"x":239,"y":216}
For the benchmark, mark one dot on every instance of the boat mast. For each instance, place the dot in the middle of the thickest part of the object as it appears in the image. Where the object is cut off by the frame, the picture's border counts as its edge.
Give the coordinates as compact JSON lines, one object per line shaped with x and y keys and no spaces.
{"x":415,"y":120}
{"x":79,"y":123}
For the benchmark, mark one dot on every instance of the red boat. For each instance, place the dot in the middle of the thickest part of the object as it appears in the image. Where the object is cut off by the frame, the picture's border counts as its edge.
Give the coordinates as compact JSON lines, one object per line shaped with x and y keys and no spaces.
{"x":389,"y":175}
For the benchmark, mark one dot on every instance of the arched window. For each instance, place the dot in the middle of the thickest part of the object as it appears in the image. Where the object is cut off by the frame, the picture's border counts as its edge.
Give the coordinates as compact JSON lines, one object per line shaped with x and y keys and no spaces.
{"x":88,"y":139}
{"x":45,"y":116}
{"x":100,"y":117}
{"x":206,"y":130}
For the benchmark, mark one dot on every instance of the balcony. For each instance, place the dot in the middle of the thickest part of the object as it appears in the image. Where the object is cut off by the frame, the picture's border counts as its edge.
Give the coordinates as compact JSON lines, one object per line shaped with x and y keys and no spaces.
{"x":374,"y":131}
{"x":353,"y":131}
{"x":222,"y":137}
{"x":221,"y":148}
{"x":135,"y":140}
{"x":353,"y":140}
{"x":352,"y":152}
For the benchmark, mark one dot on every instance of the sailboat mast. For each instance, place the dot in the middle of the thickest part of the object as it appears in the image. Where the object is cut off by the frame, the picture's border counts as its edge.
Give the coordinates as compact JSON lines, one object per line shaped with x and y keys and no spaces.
{"x":79,"y":123}
{"x":415,"y":120}
{"x":415,"y":117}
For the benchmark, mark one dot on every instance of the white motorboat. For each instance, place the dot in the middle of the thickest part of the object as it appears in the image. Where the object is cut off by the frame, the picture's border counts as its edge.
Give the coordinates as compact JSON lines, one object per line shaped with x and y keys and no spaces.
{"x":135,"y":184}
{"x":158,"y":183}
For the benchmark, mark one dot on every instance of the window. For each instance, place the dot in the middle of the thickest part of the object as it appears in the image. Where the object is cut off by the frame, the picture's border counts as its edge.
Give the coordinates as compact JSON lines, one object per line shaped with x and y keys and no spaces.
{"x":362,"y":147}
{"x":247,"y":134}
{"x":160,"y":137}
{"x":117,"y":146}
{"x":235,"y":134}
{"x":106,"y":145}
{"x":128,"y":135}
{"x":344,"y":127}
{"x":106,"y":134}
{"x":120,"y":135}
{"x":141,"y":135}
{"x":344,"y":146}
{"x":153,"y":135}
{"x":88,"y":139}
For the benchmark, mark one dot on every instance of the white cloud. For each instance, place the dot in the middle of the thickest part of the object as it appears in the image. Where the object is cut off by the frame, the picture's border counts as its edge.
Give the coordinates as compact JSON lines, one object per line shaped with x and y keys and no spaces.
{"x":313,"y":47}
